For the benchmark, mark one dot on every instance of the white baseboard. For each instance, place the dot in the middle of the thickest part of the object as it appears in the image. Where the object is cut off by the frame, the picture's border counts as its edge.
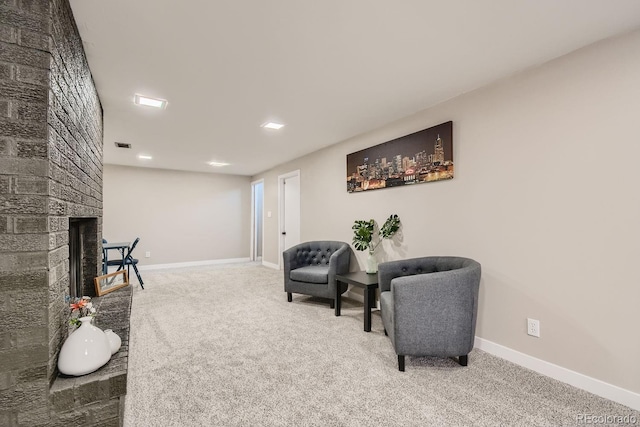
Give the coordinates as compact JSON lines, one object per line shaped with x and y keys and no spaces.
{"x":271,"y":265}
{"x":576,"y":379}
{"x":193,"y":263}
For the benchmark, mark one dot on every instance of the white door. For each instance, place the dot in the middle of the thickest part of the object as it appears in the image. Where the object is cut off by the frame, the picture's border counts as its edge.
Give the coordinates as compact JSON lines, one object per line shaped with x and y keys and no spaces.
{"x":289,"y":210}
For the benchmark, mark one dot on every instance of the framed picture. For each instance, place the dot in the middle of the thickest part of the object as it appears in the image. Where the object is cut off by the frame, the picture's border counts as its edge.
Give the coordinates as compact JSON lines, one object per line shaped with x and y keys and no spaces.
{"x":110,"y":282}
{"x":423,"y":156}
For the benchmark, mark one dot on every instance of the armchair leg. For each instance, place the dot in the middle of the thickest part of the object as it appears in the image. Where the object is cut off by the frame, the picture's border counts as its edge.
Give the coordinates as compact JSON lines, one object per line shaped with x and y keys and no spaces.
{"x":385,"y":332}
{"x":401,"y":363}
{"x":332,"y":304}
{"x":289,"y":297}
{"x":463,"y":360}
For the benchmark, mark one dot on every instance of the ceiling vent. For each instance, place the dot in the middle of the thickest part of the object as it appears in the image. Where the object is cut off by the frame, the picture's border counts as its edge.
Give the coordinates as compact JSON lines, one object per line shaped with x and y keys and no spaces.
{"x":123,"y":145}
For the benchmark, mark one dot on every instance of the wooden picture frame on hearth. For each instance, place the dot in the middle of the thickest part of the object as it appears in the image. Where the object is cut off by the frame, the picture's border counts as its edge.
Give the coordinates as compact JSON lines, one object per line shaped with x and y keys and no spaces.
{"x":110,"y":282}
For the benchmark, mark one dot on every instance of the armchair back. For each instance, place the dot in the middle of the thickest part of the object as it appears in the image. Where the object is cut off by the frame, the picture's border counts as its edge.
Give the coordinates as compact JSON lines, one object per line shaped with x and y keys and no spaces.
{"x":316,"y":253}
{"x":388,"y":271}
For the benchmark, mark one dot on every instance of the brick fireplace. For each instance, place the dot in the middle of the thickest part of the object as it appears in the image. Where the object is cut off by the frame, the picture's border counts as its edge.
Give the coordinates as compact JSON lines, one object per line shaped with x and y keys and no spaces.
{"x":50,"y":181}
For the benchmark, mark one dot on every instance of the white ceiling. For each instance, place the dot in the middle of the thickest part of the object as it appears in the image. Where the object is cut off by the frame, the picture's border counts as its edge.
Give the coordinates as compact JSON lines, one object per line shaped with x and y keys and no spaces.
{"x":328,"y":69}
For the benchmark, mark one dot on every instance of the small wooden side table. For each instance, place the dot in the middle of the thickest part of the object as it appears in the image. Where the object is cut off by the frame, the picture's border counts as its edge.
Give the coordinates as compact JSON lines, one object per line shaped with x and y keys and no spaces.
{"x":361,"y":279}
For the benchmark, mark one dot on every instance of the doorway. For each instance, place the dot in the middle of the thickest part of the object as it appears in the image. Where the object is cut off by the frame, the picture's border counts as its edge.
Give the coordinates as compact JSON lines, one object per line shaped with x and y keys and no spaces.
{"x":289,"y":218}
{"x":257,"y":220}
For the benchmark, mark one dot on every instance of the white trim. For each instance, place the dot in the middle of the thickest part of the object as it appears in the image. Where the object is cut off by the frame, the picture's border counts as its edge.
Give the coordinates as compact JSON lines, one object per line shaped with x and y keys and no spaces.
{"x":271,"y":265}
{"x":576,"y":379}
{"x":252,"y":252}
{"x":193,"y":263}
{"x":281,"y":179}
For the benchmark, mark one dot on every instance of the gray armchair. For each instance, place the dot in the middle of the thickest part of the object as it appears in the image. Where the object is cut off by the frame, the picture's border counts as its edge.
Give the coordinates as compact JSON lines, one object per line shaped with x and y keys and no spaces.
{"x":310,"y":268}
{"x":429,"y":306}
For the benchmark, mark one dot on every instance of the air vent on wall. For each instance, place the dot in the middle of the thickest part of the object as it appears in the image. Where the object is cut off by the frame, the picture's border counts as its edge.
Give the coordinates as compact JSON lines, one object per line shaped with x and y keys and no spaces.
{"x":123,"y":145}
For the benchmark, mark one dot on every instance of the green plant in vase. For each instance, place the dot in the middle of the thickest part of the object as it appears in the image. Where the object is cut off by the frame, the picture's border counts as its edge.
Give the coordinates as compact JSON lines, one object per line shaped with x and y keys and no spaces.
{"x":366,"y":237}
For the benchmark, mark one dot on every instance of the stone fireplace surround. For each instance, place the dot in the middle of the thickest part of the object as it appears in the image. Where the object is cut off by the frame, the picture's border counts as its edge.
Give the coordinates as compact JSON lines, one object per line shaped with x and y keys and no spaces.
{"x":51,"y":150}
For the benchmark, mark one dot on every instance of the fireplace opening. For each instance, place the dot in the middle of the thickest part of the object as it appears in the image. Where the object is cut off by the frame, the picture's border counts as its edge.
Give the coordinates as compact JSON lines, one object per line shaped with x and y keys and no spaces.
{"x":75,"y":259}
{"x":83,"y":256}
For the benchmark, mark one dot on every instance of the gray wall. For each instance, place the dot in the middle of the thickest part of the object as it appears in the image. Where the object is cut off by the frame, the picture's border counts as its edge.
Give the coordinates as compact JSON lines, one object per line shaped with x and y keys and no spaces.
{"x":50,"y":170}
{"x":545,"y":197}
{"x":179,"y":216}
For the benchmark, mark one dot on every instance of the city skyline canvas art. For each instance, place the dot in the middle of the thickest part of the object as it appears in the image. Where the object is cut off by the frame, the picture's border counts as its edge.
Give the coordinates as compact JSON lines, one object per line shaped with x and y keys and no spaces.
{"x":423,"y":156}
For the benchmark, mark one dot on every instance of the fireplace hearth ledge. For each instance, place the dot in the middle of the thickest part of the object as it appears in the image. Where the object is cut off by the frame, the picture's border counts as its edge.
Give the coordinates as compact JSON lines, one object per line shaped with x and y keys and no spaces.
{"x":98,"y":398}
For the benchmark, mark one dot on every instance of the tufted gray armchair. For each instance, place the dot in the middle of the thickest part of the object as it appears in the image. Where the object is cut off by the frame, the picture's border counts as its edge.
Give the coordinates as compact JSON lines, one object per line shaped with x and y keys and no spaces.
{"x":310,"y":268}
{"x":429,"y":306}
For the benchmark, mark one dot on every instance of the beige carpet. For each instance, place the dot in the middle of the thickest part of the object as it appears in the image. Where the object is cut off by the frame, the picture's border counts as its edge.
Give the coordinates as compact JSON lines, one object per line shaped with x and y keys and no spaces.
{"x":221,"y":346}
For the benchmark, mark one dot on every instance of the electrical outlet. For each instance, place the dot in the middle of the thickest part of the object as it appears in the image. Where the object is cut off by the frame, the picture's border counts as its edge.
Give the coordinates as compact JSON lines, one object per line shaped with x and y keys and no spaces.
{"x":147,"y":254}
{"x":533,"y":327}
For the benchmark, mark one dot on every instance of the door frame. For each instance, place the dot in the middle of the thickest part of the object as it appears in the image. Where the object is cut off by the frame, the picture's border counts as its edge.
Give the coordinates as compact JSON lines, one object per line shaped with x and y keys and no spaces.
{"x":281,"y":179}
{"x":252,"y":251}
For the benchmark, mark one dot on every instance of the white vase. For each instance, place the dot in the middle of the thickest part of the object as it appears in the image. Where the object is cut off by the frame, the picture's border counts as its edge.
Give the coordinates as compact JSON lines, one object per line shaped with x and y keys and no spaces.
{"x":372,"y":264}
{"x":85,"y":350}
{"x":114,"y":341}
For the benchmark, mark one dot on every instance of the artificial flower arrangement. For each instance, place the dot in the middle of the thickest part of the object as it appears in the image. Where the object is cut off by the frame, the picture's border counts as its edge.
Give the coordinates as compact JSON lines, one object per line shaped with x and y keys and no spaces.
{"x":81,"y":307}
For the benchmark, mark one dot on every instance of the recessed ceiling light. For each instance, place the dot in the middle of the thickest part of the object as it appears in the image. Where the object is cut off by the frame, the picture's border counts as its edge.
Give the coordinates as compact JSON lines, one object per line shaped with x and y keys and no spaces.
{"x":150,"y":102}
{"x":218,"y":164}
{"x":272,"y":125}
{"x":144,"y":157}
